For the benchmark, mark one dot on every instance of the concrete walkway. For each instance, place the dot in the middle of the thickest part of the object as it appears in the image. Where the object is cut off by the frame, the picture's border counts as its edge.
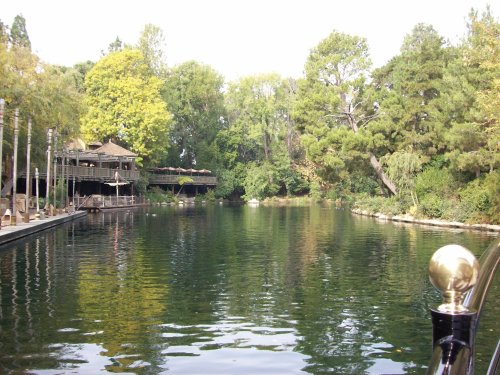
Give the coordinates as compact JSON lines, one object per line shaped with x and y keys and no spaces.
{"x":13,"y":232}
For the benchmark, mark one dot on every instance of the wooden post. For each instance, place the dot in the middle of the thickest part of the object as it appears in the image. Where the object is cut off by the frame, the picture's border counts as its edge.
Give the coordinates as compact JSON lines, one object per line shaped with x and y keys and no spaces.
{"x":37,"y":176}
{"x":76,"y":170}
{"x":49,"y":154}
{"x":55,"y":173}
{"x":66,"y":185}
{"x":63,"y":180}
{"x":117,"y":177}
{"x":14,"y":178}
{"x":2,"y":108}
{"x":28,"y":177}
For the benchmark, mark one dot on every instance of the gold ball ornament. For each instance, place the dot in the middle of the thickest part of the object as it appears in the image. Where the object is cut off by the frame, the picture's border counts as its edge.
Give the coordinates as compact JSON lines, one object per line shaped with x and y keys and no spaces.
{"x":453,"y":270}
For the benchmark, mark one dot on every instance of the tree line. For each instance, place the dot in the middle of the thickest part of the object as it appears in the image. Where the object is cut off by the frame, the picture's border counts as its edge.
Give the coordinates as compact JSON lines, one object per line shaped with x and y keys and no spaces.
{"x":419,"y":135}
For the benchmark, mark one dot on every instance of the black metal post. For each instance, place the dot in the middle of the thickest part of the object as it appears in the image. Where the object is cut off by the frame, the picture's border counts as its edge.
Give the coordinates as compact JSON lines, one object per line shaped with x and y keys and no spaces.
{"x":453,"y":338}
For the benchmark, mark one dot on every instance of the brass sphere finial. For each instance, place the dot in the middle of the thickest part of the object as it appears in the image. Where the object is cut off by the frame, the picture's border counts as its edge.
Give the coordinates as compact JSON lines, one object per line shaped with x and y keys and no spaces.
{"x":453,"y":270}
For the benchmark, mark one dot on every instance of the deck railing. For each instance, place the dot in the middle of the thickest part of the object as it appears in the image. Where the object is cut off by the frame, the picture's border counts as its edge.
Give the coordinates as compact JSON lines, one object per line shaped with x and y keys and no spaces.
{"x":108,"y":201}
{"x":95,"y":173}
{"x":171,"y":179}
{"x":455,"y":323}
{"x":87,"y":173}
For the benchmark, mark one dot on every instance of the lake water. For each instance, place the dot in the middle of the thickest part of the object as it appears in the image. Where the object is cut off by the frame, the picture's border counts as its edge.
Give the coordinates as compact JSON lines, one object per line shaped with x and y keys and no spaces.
{"x":226,"y":290}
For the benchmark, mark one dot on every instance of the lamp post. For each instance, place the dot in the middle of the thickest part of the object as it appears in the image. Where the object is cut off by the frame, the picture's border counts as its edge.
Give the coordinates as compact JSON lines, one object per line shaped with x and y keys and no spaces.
{"x":49,"y":154}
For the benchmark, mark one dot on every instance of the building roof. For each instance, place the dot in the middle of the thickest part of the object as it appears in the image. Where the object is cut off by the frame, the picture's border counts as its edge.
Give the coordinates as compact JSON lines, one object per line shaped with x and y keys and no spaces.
{"x":111,"y":148}
{"x":76,"y":144}
{"x":108,"y":152}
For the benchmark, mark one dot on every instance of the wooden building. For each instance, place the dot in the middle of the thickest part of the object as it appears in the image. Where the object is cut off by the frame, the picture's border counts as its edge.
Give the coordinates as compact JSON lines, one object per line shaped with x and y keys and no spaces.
{"x":91,"y":168}
{"x":197,"y":181}
{"x":94,"y":169}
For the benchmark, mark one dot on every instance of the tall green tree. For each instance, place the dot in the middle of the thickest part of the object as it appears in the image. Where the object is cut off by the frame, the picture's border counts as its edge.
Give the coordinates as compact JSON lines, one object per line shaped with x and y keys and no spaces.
{"x":4,"y":33}
{"x":413,"y":109}
{"x":193,"y":93}
{"x":151,"y":44}
{"x":46,"y":94}
{"x":124,"y":103}
{"x":82,"y":68}
{"x":416,"y":77}
{"x":329,"y":110}
{"x":257,"y":141}
{"x":474,"y":137}
{"x":18,"y":33}
{"x":257,"y":106}
{"x":116,"y":45}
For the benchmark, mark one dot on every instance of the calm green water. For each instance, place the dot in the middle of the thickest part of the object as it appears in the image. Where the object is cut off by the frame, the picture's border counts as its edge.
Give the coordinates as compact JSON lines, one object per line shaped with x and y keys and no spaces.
{"x":226,"y":290}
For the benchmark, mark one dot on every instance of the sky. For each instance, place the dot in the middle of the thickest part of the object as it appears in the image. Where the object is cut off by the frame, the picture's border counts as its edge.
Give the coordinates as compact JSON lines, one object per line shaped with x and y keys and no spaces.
{"x":236,"y":37}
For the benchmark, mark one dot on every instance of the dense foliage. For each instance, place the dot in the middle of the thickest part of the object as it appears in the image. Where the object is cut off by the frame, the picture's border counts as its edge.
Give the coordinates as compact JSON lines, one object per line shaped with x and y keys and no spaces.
{"x":124,"y":103}
{"x":48,"y":95}
{"x":193,"y":93}
{"x":419,"y":135}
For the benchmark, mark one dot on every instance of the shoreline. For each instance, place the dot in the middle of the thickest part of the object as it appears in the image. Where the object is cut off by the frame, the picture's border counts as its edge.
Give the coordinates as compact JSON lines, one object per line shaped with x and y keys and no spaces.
{"x":433,"y":222}
{"x":405,"y":218}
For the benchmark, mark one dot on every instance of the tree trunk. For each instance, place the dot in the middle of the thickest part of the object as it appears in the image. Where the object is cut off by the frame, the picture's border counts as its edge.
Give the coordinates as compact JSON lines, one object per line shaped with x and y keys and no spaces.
{"x":266,"y":147}
{"x":373,"y":159}
{"x":380,"y":173}
{"x":289,"y":136}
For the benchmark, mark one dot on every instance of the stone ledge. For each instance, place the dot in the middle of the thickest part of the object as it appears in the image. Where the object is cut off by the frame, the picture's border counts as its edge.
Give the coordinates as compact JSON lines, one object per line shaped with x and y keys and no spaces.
{"x":12,"y":233}
{"x":433,"y":222}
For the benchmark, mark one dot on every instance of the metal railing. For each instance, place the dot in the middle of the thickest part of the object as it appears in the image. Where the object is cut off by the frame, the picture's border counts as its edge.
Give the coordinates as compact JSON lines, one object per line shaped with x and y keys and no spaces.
{"x":455,"y":323}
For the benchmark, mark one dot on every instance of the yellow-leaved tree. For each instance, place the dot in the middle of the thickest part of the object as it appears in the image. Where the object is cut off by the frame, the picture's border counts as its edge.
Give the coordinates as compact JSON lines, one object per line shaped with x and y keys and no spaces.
{"x":124,"y":104}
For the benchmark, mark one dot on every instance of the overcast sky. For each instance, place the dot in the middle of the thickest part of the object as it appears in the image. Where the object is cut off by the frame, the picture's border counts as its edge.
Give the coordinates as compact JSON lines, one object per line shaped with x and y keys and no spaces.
{"x":235,"y":37}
